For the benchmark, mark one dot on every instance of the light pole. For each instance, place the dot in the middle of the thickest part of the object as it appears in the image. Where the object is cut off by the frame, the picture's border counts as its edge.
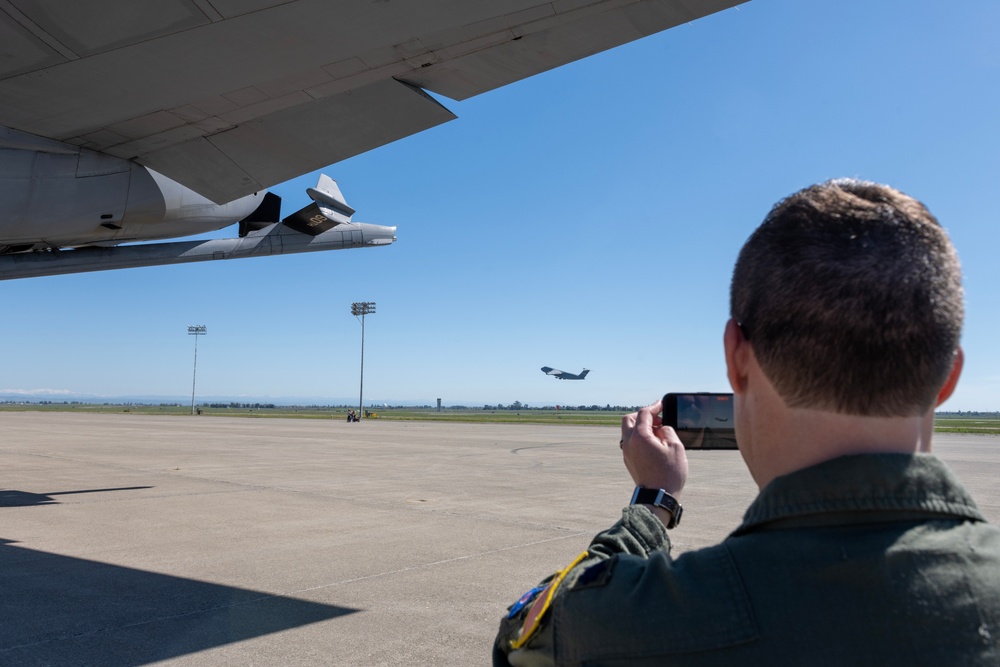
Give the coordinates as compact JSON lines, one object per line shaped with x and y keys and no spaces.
{"x":195,"y":330}
{"x":360,"y":309}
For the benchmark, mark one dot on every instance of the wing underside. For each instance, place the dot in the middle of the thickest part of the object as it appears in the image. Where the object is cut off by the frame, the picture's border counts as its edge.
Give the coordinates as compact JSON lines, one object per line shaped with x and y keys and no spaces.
{"x":231,"y":97}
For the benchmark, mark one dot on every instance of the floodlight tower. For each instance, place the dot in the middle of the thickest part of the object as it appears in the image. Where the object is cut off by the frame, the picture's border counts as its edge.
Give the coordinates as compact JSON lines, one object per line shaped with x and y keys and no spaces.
{"x":360,"y":309}
{"x":195,"y":330}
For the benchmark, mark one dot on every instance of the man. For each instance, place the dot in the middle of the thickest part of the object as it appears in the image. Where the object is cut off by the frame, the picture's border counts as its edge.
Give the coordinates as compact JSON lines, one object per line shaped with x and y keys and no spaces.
{"x":861,"y":548}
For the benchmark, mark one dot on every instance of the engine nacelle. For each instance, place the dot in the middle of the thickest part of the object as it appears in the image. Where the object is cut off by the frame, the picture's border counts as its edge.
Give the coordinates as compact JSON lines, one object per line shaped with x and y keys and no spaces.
{"x":55,"y":195}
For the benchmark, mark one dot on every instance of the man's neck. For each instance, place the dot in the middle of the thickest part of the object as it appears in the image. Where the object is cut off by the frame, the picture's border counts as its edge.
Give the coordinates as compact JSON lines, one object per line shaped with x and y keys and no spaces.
{"x":803,"y":437}
{"x":775,"y":439}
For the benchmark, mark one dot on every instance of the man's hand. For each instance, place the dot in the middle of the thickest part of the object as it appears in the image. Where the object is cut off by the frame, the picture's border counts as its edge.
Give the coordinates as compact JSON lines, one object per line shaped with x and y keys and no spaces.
{"x":654,"y":455}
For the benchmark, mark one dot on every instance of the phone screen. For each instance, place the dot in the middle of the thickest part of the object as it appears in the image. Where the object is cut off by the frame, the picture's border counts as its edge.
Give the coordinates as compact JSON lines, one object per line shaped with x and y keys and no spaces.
{"x":701,"y":420}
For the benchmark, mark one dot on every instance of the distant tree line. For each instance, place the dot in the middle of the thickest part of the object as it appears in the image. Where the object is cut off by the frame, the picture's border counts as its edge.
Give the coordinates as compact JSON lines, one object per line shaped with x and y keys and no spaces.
{"x":25,"y":400}
{"x":518,"y":405}
{"x":968,"y":414}
{"x":241,"y":406}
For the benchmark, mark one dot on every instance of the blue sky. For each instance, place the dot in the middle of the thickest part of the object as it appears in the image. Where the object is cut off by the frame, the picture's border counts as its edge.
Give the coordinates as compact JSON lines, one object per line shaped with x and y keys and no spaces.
{"x":586,"y":217}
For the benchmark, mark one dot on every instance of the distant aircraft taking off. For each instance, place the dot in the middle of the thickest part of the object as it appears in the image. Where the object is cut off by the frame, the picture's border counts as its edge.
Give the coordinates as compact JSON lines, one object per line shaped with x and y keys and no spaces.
{"x":563,"y":375}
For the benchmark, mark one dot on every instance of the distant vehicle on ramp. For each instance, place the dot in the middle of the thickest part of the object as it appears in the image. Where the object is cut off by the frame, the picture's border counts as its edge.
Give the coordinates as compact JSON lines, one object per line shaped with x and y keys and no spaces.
{"x":563,"y":375}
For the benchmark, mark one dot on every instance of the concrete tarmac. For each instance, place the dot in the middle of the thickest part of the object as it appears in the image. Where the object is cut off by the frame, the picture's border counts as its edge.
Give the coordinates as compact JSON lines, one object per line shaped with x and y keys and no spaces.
{"x":132,"y":540}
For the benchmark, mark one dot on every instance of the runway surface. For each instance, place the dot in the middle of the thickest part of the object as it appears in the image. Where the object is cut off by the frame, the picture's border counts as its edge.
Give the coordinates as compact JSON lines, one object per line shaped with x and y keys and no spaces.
{"x":132,"y":540}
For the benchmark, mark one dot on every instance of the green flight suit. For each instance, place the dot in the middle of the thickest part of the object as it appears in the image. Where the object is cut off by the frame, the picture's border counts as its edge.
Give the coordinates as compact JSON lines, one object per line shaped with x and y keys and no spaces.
{"x":875,"y":559}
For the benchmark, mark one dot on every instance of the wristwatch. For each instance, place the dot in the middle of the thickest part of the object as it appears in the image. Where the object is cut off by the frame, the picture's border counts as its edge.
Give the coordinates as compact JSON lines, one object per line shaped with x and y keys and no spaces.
{"x":659,"y":498}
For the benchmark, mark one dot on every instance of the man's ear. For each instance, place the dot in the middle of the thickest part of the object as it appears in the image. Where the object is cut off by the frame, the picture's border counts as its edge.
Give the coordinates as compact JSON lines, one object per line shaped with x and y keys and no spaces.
{"x":737,"y":356}
{"x":952,"y":381}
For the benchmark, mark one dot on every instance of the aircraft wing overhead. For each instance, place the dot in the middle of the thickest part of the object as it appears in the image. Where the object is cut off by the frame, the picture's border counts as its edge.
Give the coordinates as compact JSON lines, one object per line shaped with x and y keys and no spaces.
{"x":229,"y":97}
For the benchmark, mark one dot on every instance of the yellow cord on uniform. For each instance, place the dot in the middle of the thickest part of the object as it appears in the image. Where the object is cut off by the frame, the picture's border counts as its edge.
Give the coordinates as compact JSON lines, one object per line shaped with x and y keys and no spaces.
{"x":534,"y":618}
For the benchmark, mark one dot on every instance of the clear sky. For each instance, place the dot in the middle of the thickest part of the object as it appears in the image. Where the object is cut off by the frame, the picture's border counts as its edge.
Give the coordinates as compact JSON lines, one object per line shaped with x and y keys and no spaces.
{"x":586,"y":217}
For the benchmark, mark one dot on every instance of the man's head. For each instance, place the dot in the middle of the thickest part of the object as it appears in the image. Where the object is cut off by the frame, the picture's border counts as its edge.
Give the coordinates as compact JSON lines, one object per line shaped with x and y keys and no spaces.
{"x":850,"y":294}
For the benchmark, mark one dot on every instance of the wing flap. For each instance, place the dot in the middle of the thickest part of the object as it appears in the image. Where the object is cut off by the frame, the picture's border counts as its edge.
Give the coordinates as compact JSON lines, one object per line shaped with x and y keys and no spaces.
{"x":544,"y":42}
{"x":283,"y":145}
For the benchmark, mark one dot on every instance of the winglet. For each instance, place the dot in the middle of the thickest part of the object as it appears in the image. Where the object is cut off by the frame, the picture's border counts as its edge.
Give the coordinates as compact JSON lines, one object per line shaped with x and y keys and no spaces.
{"x":330,"y":200}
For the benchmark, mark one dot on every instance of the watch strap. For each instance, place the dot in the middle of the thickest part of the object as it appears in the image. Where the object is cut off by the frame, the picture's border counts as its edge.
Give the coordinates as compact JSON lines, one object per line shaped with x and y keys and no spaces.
{"x":659,"y":498}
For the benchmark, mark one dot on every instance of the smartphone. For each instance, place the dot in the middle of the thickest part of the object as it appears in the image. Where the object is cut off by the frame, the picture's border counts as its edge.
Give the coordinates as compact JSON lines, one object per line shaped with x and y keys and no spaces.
{"x":702,"y":420}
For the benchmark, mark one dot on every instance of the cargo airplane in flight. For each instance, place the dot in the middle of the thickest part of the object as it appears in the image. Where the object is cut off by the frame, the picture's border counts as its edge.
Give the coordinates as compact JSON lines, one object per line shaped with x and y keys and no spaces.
{"x":122,"y":123}
{"x":563,"y":375}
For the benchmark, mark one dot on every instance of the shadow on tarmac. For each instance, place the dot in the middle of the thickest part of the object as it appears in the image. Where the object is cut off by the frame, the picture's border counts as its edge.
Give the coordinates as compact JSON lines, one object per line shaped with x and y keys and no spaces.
{"x":58,"y":610}
{"x":12,"y":498}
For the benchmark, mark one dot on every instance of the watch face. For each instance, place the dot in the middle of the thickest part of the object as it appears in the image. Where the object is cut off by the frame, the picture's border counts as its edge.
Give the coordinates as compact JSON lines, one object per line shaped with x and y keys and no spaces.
{"x":644,"y":496}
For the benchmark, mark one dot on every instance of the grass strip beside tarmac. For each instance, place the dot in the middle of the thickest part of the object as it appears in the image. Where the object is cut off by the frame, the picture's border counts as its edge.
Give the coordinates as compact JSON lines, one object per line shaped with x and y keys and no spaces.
{"x":988,"y":424}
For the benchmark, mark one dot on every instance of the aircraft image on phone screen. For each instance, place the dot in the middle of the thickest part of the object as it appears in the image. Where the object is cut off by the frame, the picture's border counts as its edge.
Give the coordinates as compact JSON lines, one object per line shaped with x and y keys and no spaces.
{"x":701,"y":420}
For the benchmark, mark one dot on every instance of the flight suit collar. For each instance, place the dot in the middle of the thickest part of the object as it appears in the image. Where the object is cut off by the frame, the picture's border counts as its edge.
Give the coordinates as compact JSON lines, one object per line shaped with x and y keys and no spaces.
{"x":859,"y":489}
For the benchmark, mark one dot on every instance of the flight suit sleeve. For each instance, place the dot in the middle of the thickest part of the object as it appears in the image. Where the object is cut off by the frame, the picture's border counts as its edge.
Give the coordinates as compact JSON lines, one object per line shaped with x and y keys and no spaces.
{"x":525,"y":637}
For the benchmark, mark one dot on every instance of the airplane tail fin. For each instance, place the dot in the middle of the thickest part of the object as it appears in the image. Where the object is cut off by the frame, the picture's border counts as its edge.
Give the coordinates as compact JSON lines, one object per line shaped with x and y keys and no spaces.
{"x":583,"y":373}
{"x":546,"y":369}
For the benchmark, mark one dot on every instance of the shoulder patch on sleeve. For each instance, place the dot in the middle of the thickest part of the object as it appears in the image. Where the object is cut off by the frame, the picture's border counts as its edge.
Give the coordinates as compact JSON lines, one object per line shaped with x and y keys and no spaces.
{"x":523,"y":601}
{"x":541,"y":605}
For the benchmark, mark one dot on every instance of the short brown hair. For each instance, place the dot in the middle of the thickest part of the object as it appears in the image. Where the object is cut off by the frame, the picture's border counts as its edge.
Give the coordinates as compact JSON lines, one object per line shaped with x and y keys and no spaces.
{"x":850,"y":293}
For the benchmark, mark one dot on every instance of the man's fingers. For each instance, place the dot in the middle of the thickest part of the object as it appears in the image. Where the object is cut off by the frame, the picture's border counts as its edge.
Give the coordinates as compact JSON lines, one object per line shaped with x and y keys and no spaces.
{"x":645,"y":424}
{"x":628,"y":425}
{"x":647,"y":419}
{"x":644,"y":421}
